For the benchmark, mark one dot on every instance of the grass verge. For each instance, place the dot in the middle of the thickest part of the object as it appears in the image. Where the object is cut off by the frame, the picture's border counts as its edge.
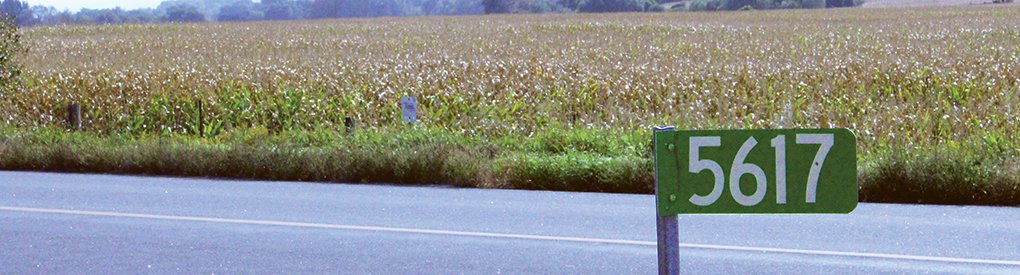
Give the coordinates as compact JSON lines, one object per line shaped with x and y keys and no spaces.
{"x":982,"y":173}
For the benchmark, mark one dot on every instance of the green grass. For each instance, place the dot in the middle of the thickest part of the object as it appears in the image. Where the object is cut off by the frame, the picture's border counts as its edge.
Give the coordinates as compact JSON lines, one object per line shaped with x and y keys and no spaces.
{"x":972,"y":174}
{"x":557,"y":159}
{"x":570,"y":160}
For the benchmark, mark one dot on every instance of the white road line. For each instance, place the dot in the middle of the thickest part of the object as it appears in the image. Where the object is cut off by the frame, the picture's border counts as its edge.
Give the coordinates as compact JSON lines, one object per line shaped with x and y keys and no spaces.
{"x":510,"y":236}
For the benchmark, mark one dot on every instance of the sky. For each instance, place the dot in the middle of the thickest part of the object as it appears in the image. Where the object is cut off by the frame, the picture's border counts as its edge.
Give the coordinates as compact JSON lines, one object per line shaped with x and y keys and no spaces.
{"x":75,"y":5}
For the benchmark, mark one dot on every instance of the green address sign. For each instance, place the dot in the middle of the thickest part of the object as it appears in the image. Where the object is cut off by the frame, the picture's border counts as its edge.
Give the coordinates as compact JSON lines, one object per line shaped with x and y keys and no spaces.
{"x":756,"y":171}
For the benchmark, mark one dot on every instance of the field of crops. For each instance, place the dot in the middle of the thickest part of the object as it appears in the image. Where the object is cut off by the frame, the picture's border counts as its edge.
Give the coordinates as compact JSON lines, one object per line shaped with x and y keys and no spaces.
{"x":901,"y":79}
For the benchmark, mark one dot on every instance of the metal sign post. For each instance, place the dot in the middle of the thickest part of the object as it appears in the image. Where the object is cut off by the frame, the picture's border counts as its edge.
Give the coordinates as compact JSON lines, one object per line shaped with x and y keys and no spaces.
{"x":666,"y":225}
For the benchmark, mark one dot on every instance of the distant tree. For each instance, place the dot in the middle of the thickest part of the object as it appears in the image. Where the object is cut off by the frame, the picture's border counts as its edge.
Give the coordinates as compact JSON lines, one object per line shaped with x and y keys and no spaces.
{"x":706,"y":5}
{"x":464,"y":7}
{"x":243,"y":10}
{"x":167,"y":5}
{"x":323,"y":8}
{"x":280,"y":12}
{"x":384,"y":7}
{"x":573,"y":5}
{"x":736,"y":4}
{"x":109,"y":16}
{"x":813,"y":4}
{"x":285,"y":9}
{"x":506,"y":6}
{"x":18,"y":10}
{"x":44,"y":14}
{"x":139,"y":16}
{"x":104,"y":16}
{"x":765,"y":4}
{"x":435,"y":7}
{"x":616,"y":5}
{"x":209,"y":8}
{"x":65,"y":17}
{"x":183,"y":13}
{"x":838,"y":3}
{"x":355,"y":8}
{"x":546,"y":6}
{"x":430,"y":7}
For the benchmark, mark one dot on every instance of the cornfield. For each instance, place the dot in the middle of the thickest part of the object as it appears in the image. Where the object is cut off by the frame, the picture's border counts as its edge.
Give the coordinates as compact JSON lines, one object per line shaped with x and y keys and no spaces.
{"x":896,"y":77}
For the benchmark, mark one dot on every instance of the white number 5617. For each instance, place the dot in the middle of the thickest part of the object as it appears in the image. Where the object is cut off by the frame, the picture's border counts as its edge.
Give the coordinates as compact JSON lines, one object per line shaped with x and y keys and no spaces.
{"x":740,"y":168}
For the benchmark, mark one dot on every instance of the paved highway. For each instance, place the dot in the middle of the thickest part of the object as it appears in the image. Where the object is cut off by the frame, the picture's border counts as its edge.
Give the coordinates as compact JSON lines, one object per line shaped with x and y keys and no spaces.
{"x":60,"y":223}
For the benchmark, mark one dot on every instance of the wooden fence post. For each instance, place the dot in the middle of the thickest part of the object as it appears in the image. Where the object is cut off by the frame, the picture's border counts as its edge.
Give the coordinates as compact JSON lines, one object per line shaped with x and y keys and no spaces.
{"x":74,"y":116}
{"x":350,"y":124}
{"x":201,"y":120}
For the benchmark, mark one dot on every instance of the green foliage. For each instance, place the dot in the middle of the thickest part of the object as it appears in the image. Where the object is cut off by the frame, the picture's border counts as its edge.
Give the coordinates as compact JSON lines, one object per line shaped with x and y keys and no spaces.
{"x":705,"y":5}
{"x":284,"y":9}
{"x":764,"y":4}
{"x":11,"y":50}
{"x":248,"y":10}
{"x":560,"y":159}
{"x":789,"y":4}
{"x":735,"y":4}
{"x":17,"y":11}
{"x":355,"y":8}
{"x":544,"y":6}
{"x":243,"y":10}
{"x":617,"y":5}
{"x":411,"y":156}
{"x":711,"y":5}
{"x":450,"y":7}
{"x":523,"y":6}
{"x":968,"y":174}
{"x":183,"y":13}
{"x":813,"y":4}
{"x":839,"y":3}
{"x":208,"y":8}
{"x":576,"y":172}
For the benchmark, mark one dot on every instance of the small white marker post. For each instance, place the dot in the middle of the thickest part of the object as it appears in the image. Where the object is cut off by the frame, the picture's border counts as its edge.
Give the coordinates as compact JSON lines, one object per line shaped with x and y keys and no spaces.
{"x":667,"y":228}
{"x":409,"y":105}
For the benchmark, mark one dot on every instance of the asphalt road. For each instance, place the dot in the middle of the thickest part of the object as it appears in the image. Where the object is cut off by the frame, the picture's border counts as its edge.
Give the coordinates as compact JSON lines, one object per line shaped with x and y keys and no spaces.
{"x":59,"y":223}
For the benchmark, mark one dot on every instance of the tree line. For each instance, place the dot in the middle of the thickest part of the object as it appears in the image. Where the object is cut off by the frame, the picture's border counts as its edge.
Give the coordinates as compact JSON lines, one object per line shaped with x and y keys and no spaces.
{"x":716,"y":5}
{"x":248,"y":10}
{"x":235,"y":10}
